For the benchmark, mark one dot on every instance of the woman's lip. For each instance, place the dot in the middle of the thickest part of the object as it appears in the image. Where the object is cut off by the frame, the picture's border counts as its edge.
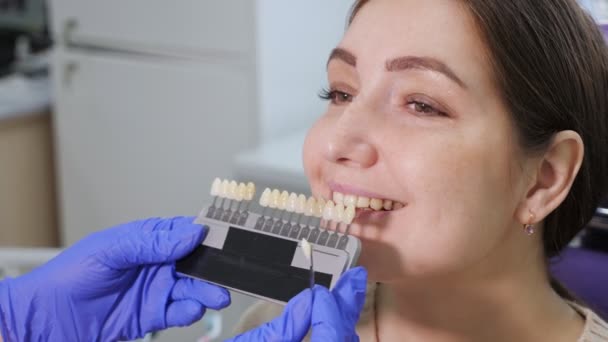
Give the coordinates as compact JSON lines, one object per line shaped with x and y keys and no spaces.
{"x":352,"y":190}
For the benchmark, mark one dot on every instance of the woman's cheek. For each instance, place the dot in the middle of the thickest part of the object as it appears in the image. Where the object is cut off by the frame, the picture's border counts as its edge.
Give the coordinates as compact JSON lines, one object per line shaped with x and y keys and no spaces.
{"x":314,"y":149}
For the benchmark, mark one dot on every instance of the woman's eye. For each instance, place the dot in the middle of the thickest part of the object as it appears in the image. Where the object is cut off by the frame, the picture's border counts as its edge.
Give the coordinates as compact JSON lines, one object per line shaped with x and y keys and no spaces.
{"x":424,"y":108}
{"x":335,"y":96}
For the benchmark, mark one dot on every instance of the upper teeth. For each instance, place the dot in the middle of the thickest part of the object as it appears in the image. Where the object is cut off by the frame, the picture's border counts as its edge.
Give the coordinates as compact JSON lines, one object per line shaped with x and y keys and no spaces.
{"x":365,"y":202}
{"x":340,"y":209}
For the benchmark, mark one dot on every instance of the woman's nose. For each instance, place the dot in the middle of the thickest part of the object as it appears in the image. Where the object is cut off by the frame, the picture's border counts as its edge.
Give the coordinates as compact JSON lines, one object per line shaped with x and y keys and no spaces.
{"x":349,"y":144}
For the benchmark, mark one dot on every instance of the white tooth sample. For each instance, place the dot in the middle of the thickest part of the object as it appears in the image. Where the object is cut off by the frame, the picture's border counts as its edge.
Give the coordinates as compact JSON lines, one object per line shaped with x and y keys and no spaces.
{"x":275,"y":196}
{"x":306,"y":248}
{"x":349,"y":214}
{"x":397,"y":205}
{"x":301,"y":204}
{"x":216,"y":187}
{"x":283,"y":200}
{"x":265,"y":198}
{"x":311,"y":207}
{"x":338,"y":213}
{"x":320,"y":206}
{"x":232,"y":190}
{"x":225,"y":188}
{"x":241,"y":191}
{"x":338,"y":198}
{"x":387,"y":205}
{"x":250,"y":191}
{"x":292,"y":202}
{"x":350,"y":200}
{"x":362,"y":202}
{"x":328,"y":211}
{"x":375,"y":204}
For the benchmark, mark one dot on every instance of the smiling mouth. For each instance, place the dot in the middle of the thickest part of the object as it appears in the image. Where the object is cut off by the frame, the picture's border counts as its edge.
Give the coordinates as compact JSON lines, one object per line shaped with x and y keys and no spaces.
{"x":348,"y":207}
{"x":363,"y":203}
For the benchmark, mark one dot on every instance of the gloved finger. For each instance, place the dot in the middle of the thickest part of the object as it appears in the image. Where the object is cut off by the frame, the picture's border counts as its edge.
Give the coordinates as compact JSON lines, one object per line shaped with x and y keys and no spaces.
{"x":209,"y":295}
{"x":326,"y":319}
{"x":182,"y":313}
{"x":154,"y":223}
{"x":291,"y":325}
{"x":349,"y":294}
{"x":173,"y":223}
{"x":153,"y":247}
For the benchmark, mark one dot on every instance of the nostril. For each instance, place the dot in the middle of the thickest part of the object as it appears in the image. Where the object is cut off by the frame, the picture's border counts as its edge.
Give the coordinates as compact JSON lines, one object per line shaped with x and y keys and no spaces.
{"x":348,"y":162}
{"x":351,"y":151}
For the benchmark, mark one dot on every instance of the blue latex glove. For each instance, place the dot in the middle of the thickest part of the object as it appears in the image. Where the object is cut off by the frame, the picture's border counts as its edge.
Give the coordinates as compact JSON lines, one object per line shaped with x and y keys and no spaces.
{"x":118,"y":283}
{"x":331,"y":315}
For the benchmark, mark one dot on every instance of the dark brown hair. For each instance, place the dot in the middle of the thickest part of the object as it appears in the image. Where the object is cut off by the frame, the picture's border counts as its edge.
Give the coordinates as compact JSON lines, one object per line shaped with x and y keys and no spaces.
{"x":550,"y":62}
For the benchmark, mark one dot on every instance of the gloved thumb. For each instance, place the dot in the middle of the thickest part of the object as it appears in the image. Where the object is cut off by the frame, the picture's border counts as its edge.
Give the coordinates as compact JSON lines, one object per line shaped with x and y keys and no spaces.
{"x":335,"y":314}
{"x":292,"y":325}
{"x":349,"y":293}
{"x":142,"y":247}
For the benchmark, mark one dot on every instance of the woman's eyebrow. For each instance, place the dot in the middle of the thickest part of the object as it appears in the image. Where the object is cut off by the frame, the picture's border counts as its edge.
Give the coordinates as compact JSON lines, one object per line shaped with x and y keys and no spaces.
{"x":401,"y":63}
{"x":426,"y":63}
{"x":343,"y":55}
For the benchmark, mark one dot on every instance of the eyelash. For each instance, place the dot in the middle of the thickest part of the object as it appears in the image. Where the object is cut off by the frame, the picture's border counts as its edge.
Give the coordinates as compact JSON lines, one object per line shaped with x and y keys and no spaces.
{"x":420,"y":107}
{"x":425,"y":108}
{"x":333,"y":95}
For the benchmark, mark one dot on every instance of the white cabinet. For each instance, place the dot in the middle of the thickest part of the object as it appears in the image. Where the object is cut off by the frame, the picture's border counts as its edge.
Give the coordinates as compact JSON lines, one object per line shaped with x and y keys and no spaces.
{"x":140,"y":137}
{"x":190,"y":27}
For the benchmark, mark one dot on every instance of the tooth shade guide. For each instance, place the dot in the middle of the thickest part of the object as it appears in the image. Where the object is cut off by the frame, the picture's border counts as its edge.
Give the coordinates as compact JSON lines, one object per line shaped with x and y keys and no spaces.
{"x":225,"y":188}
{"x":249,"y":191}
{"x":288,"y":219}
{"x":328,"y":211}
{"x":301,"y":204}
{"x":349,"y":214}
{"x":274,"y":199}
{"x":240,"y":192}
{"x":265,"y":198}
{"x":292,"y":201}
{"x":232,"y":190}
{"x":282,"y":204}
{"x":338,"y":198}
{"x":339,"y":213}
{"x":311,"y":207}
{"x":319,"y":207}
{"x":216,"y":187}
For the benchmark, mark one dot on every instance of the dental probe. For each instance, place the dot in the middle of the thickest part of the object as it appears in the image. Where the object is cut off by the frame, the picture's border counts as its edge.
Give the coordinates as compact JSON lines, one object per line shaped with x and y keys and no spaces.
{"x":307,"y":248}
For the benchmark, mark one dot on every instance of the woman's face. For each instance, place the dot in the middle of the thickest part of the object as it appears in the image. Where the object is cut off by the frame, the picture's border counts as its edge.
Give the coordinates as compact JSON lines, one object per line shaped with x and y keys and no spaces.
{"x":414,"y":117}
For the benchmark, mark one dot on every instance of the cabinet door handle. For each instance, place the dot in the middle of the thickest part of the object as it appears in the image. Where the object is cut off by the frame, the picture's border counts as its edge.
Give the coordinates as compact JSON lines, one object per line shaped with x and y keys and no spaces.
{"x":69,"y":69}
{"x":70,"y":25}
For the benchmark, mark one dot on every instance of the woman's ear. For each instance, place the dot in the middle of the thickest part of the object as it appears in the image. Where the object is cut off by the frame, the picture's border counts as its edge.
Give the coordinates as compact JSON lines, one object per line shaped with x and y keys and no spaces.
{"x":553,"y":177}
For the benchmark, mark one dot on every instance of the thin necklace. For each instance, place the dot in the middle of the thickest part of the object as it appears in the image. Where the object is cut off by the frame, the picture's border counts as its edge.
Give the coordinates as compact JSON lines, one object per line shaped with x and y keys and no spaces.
{"x":376,"y":295}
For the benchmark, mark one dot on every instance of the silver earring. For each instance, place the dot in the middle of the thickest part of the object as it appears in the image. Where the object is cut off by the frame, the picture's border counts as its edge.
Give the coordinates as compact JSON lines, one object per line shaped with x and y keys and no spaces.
{"x":529,"y":227}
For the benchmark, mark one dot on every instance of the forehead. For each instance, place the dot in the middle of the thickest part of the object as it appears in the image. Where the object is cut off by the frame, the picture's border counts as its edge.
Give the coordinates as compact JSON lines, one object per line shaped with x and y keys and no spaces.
{"x":442,"y":29}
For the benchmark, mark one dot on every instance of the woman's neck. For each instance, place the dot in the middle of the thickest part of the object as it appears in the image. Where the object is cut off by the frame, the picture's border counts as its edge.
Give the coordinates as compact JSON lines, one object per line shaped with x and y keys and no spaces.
{"x":515,"y":304}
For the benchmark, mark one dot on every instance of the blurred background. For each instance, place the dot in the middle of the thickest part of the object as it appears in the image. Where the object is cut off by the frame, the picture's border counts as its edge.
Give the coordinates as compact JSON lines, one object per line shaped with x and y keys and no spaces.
{"x":116,"y":110}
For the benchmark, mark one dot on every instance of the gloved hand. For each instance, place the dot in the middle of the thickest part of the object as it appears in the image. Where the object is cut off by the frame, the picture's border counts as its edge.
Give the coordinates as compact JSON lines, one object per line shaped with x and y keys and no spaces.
{"x":332,"y":315}
{"x":115,"y":284}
